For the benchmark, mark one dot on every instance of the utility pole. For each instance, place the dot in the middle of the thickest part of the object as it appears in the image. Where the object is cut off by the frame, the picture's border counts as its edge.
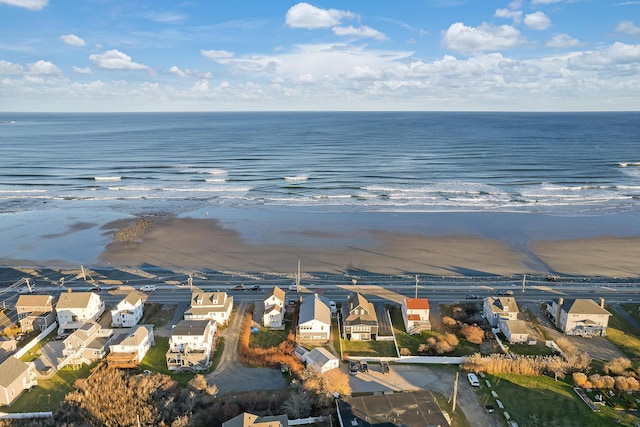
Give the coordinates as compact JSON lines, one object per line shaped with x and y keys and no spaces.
{"x":455,"y":393}
{"x":83,"y":275}
{"x":417,"y":281}
{"x":28,"y":285}
{"x":298,"y":277}
{"x":190,"y":281}
{"x":524,"y":280}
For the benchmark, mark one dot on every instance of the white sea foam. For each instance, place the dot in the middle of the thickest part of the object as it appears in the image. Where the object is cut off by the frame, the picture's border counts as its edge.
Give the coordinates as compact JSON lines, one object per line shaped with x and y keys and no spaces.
{"x":296,"y":178}
{"x":107,"y":178}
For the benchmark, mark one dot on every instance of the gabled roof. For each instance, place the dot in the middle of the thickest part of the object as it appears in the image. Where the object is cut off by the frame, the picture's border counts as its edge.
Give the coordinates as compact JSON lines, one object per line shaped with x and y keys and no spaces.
{"x":249,"y":420}
{"x":34,"y":300}
{"x":312,"y":307}
{"x":85,"y":331}
{"x":134,"y":297}
{"x":320,"y":356}
{"x":366,"y":318}
{"x":503,"y":304}
{"x":275,"y":292}
{"x":417,"y":303}
{"x":583,"y":306}
{"x":137,"y":334}
{"x":10,"y":370}
{"x":75,"y":300}
{"x":209,"y":299}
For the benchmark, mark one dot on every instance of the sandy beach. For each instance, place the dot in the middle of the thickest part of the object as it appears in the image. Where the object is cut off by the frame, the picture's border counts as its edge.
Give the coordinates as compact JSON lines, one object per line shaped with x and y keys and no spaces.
{"x":272,"y":242}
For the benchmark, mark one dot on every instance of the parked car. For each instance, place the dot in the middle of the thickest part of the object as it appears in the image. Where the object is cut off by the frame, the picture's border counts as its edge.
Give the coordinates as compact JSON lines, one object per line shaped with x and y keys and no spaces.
{"x":238,"y":288}
{"x":293,"y":287}
{"x":364,"y":366}
{"x":384,"y":367}
{"x":148,"y":288}
{"x":353,"y":368}
{"x":506,"y":292}
{"x":255,"y":288}
{"x":473,"y":379}
{"x":333,"y":307}
{"x":489,"y":409}
{"x":471,"y":296}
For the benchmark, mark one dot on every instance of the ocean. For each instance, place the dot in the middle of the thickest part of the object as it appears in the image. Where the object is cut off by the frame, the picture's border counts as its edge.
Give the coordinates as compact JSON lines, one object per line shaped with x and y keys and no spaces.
{"x":321,"y":179}
{"x":556,"y":163}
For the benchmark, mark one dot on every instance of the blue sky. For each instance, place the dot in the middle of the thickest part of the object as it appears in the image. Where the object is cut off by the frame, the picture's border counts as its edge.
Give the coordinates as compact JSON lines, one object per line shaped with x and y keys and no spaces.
{"x":254,"y":55}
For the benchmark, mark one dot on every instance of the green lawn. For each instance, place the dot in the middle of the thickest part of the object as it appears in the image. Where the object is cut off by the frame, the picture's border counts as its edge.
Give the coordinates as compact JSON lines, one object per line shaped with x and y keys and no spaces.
{"x":624,"y":336}
{"x":541,"y":401}
{"x":633,"y":310}
{"x":369,"y":348}
{"x":48,"y":394}
{"x":267,"y":338}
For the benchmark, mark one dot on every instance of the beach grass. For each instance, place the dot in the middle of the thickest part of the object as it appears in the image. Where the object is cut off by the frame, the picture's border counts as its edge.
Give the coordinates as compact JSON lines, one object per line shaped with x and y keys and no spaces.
{"x":542,"y":401}
{"x":48,"y":394}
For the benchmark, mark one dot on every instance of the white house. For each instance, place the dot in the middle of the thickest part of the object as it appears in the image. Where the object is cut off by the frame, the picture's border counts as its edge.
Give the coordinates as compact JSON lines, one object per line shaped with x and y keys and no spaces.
{"x":415,"y":313}
{"x":516,"y":331}
{"x":273,"y":316}
{"x":15,"y":377}
{"x":129,"y":350}
{"x":191,"y":344}
{"x":580,"y":316}
{"x":322,"y":360}
{"x":128,"y":312}
{"x":87,"y":344}
{"x":362,"y":323}
{"x":75,"y":308}
{"x":314,"y":320}
{"x":493,"y":309}
{"x":210,"y":305}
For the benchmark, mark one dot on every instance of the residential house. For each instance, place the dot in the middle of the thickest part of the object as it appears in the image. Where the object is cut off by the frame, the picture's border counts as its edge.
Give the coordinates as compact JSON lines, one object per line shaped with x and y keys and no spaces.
{"x":321,"y":359}
{"x":128,"y":312}
{"x":191,"y":344}
{"x":249,"y":420}
{"x":128,"y":350}
{"x":35,"y":312}
{"x":580,"y":316}
{"x":87,"y":344}
{"x":361,"y":324}
{"x":75,"y":308}
{"x":210,"y":305}
{"x":516,"y":331}
{"x":415,"y":313}
{"x":15,"y":377}
{"x":273,"y":316}
{"x":495,"y":308}
{"x":314,"y":319}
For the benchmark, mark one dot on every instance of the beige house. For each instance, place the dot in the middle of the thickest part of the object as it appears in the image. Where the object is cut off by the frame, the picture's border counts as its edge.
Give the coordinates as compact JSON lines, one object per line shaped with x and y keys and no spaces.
{"x":87,"y":344}
{"x":15,"y":377}
{"x":516,"y":331}
{"x":493,"y":309}
{"x":35,"y":312}
{"x":415,"y":313}
{"x":362,"y":323}
{"x":210,"y":305}
{"x":249,"y":420}
{"x":75,"y":308}
{"x":273,"y":316}
{"x":580,"y":316}
{"x":191,"y":345}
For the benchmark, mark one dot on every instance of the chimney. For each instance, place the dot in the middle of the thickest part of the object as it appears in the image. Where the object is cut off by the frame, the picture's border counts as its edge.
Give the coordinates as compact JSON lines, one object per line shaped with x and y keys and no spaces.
{"x":557,"y":319}
{"x":601,"y":302}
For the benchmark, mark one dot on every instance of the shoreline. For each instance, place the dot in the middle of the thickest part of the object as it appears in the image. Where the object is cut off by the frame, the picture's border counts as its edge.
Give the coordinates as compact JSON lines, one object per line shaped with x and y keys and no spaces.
{"x":339,"y":245}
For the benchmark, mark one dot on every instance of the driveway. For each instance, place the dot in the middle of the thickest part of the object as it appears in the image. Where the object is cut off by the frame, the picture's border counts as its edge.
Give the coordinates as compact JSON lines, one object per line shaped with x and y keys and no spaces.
{"x":415,"y":377}
{"x":232,"y":376}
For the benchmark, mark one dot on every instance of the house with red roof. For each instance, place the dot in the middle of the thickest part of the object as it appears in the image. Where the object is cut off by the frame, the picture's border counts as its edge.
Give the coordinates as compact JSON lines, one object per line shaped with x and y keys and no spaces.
{"x":415,"y":313}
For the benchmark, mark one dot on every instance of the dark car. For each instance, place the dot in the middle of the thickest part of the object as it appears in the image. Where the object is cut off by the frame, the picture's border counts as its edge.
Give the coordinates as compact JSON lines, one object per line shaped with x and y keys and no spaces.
{"x":255,"y":288}
{"x":384,"y":367}
{"x":364,"y":366}
{"x":471,"y":296}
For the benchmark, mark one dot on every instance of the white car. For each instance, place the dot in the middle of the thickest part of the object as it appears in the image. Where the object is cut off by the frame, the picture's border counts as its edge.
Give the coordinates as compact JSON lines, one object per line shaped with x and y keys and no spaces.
{"x":333,"y":307}
{"x":473,"y":380}
{"x":148,"y":288}
{"x":293,"y":287}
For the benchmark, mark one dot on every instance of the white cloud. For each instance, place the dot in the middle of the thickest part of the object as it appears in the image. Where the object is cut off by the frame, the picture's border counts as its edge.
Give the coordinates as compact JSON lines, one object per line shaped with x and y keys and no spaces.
{"x":116,"y":60}
{"x":72,"y":40}
{"x":304,"y":15}
{"x":189,"y":74}
{"x":43,"y":68}
{"x":216,"y":54}
{"x":537,"y":21}
{"x":166,"y":17}
{"x":628,"y":28}
{"x":202,"y":86}
{"x":486,"y":37}
{"x":27,"y":4}
{"x":515,"y":15}
{"x":547,"y":1}
{"x":85,"y":70}
{"x":562,"y":41}
{"x":359,"y":32}
{"x":10,"y":69}
{"x":615,"y":57}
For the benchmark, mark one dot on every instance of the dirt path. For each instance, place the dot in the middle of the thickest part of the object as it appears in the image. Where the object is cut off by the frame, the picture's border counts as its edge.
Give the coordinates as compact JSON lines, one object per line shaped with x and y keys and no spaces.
{"x":231,"y":337}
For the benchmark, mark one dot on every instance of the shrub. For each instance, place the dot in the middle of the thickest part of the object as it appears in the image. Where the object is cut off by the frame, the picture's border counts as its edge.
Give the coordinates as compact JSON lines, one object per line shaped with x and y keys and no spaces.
{"x":579,"y":379}
{"x":404,"y":351}
{"x":617,"y":366}
{"x":439,"y":344}
{"x":473,"y":333}
{"x":449,"y":321}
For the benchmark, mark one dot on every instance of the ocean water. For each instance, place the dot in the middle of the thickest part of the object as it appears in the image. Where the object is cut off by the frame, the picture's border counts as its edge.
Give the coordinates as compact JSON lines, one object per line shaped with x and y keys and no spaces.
{"x":549,"y":163}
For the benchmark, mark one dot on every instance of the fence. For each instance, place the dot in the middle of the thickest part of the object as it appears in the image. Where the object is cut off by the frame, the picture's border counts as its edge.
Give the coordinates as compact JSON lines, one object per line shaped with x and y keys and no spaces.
{"x":25,"y":415}
{"x":310,"y":420}
{"x":36,"y":340}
